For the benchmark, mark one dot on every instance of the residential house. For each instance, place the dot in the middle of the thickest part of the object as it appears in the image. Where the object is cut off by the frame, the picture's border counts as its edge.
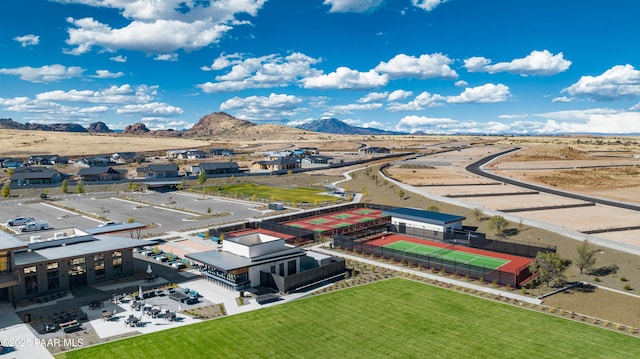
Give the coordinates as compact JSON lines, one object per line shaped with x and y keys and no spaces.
{"x":274,"y":155}
{"x":34,"y":175}
{"x":215,"y":168}
{"x":175,"y":153}
{"x":101,"y":174}
{"x":158,"y":171}
{"x":7,"y":162}
{"x":127,"y":157}
{"x":315,"y":160}
{"x":220,"y":152}
{"x":97,"y":161}
{"x":277,"y":165}
{"x":309,"y":151}
{"x":192,"y":154}
{"x":42,"y":160}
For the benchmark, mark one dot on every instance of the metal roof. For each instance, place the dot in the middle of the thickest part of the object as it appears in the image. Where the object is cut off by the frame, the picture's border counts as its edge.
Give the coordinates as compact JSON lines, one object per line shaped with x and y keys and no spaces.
{"x":422,"y":215}
{"x":98,"y":245}
{"x":8,"y":242}
{"x":227,"y":261}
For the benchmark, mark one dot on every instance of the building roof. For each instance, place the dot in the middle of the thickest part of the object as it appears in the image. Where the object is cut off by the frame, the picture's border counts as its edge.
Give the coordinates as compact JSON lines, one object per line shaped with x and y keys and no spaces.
{"x":8,"y":242}
{"x":422,"y":215}
{"x":158,"y":168}
{"x":33,"y":172}
{"x":227,"y":261}
{"x":88,"y":171}
{"x":212,"y":166}
{"x":78,"y":249}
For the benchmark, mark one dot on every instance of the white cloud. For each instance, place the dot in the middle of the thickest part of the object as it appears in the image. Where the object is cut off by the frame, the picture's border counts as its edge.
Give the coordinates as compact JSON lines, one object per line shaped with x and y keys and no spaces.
{"x":539,"y":63}
{"x":352,"y":5}
{"x":275,"y":106}
{"x":161,"y":123}
{"x":374,"y":97}
{"x":49,"y":73}
{"x":166,"y":57}
{"x":106,"y":74}
{"x":488,"y":93}
{"x":259,"y":72}
{"x":596,"y":120}
{"x":562,"y":99}
{"x":373,"y":124}
{"x":512,"y":117}
{"x":423,"y":121}
{"x":345,"y":78}
{"x":159,"y":26}
{"x":620,"y":81}
{"x":398,"y":95}
{"x":150,"y":109}
{"x":461,"y":83}
{"x":345,"y":109}
{"x":28,"y":40}
{"x":119,"y":58}
{"x":49,"y":112}
{"x":124,"y":94}
{"x":420,"y":102}
{"x":427,"y":5}
{"x":423,"y":67}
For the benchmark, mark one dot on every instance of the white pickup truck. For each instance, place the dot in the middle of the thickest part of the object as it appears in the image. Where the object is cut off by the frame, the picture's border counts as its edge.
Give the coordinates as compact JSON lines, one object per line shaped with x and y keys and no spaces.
{"x":18,"y":221}
{"x":34,"y":226}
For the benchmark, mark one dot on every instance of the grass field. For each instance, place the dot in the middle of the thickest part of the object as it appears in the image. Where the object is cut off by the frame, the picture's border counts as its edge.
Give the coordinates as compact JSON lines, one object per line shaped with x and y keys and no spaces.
{"x":297,"y":194}
{"x":395,"y":318}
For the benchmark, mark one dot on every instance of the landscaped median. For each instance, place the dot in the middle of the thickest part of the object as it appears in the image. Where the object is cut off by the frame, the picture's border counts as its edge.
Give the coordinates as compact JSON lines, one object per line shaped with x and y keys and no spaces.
{"x":391,"y":318}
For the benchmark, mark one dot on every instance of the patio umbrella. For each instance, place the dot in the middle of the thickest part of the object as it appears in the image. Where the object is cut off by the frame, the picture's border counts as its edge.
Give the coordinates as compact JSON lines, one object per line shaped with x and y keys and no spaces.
{"x":140,"y":292}
{"x":149,"y":268}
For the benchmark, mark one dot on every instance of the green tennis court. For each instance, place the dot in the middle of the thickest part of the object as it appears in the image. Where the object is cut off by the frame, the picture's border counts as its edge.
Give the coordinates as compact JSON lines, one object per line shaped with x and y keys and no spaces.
{"x":365,"y":211}
{"x":319,"y":221}
{"x":365,"y":219}
{"x":342,"y":216}
{"x":448,"y":254}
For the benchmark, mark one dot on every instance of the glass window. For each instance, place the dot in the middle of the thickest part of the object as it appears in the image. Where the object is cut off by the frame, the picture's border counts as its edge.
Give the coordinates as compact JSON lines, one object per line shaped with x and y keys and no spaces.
{"x":4,"y":262}
{"x":52,"y":266}
{"x":29,"y":270}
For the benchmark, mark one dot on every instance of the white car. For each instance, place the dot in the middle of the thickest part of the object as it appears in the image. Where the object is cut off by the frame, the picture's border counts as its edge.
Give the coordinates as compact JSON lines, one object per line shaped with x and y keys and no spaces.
{"x":19,"y":221}
{"x":110,"y":223}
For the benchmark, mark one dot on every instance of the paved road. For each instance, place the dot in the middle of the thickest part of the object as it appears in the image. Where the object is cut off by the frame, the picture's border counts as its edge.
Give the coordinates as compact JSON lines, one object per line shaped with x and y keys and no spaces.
{"x":477,"y":169}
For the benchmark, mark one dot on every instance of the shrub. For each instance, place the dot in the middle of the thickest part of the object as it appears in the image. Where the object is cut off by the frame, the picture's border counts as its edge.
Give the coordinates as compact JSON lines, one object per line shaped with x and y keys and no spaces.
{"x":627,"y":287}
{"x":597,"y":280}
{"x":623,"y":279}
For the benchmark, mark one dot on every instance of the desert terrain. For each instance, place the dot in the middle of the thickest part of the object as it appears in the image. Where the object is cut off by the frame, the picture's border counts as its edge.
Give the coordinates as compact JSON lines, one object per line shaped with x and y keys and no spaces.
{"x":603,"y":167}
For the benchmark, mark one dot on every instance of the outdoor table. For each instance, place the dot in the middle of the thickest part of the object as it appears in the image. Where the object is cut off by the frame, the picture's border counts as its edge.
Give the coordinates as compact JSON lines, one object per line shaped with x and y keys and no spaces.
{"x":106,"y":315}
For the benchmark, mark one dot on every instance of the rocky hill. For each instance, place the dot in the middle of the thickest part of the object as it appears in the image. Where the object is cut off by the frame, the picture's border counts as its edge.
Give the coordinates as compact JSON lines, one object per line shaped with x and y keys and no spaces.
{"x":9,"y":124}
{"x":217,"y":123}
{"x":335,"y":126}
{"x":99,"y":127}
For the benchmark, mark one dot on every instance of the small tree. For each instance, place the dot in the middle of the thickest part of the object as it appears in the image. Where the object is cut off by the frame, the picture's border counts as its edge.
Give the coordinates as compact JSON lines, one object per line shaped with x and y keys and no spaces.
{"x":202,"y":178}
{"x":550,"y":267}
{"x":401,"y":194}
{"x":498,"y":224}
{"x":80,"y":187}
{"x":6,"y":190}
{"x":478,"y":213}
{"x":586,"y":256}
{"x":64,"y":187}
{"x":433,"y":208}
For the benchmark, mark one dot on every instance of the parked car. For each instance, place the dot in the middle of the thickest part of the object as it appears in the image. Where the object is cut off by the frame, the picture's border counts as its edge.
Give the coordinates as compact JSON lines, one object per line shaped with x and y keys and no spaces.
{"x":19,"y":221}
{"x":34,"y":226}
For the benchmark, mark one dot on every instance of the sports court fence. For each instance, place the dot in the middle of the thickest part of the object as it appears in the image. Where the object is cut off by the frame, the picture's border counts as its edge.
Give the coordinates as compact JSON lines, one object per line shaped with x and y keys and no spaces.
{"x":513,"y":277}
{"x":325,"y":211}
{"x":509,"y":247}
{"x":474,"y":240}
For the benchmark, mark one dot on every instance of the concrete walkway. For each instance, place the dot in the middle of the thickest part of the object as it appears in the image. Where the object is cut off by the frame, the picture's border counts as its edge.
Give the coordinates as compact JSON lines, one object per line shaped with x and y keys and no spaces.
{"x":18,"y":340}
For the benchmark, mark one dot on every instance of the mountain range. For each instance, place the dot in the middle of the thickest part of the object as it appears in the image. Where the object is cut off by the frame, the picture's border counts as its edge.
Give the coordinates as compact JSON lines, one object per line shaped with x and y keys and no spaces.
{"x":217,"y":123}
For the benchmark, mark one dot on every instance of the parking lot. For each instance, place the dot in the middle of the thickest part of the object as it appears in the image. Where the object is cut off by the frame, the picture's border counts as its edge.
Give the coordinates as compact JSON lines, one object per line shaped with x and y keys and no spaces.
{"x":167,"y":211}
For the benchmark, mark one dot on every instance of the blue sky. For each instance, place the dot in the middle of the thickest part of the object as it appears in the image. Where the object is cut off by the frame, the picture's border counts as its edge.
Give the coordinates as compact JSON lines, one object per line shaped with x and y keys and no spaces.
{"x":437,"y":66}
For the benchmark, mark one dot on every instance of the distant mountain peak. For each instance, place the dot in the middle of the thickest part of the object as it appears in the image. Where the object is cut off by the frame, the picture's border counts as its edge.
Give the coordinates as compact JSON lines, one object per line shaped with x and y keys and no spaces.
{"x":335,"y":126}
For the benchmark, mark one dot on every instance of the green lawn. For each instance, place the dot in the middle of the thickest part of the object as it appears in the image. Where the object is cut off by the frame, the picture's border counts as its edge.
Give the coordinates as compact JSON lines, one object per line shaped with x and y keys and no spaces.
{"x":395,"y":318}
{"x":298,"y":194}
